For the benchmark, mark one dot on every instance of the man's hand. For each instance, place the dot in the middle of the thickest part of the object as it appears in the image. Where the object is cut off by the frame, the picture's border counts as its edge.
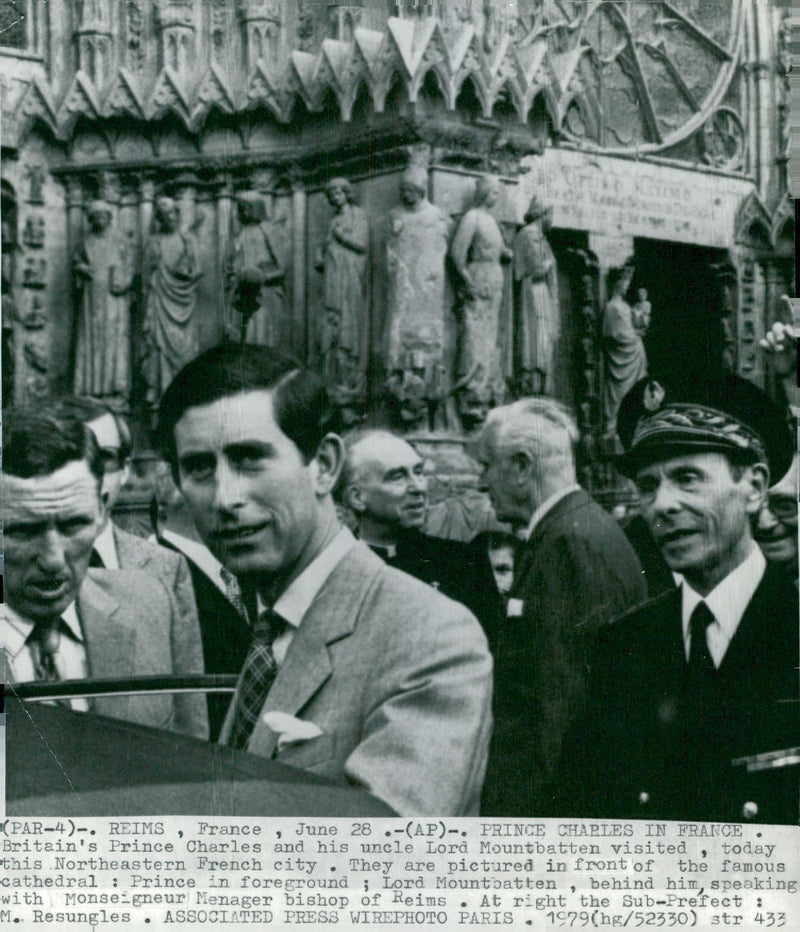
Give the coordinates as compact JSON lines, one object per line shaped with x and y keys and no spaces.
{"x":780,"y":343}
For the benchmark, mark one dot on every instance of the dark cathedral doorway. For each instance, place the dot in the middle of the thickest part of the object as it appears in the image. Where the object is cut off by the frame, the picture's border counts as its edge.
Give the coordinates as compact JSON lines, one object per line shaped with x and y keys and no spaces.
{"x":686,"y":331}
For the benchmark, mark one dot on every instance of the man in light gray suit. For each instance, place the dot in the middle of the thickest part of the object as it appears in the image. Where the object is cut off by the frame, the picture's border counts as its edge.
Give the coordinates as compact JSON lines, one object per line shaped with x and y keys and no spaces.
{"x":59,"y":622}
{"x":356,"y":671}
{"x":115,"y":549}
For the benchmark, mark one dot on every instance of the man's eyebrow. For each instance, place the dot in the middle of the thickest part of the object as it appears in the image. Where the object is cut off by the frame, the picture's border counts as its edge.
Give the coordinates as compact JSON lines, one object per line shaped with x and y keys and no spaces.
{"x":21,"y":523}
{"x":248,"y":448}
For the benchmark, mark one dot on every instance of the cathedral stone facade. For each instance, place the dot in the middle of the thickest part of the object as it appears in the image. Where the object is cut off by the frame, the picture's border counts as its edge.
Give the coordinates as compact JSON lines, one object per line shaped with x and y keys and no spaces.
{"x":168,"y":172}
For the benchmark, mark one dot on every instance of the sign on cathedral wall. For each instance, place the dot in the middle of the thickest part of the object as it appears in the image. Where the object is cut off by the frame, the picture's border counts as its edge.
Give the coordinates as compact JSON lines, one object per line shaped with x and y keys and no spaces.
{"x":617,"y":196}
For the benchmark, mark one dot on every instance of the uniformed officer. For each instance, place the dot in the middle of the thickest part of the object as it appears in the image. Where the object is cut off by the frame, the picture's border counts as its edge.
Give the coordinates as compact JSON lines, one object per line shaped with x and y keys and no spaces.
{"x":706,"y":674}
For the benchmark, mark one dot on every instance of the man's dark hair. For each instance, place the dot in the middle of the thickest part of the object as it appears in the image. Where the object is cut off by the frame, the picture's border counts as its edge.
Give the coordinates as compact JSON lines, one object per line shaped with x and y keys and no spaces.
{"x":300,"y":403}
{"x":86,"y":409}
{"x":40,"y":441}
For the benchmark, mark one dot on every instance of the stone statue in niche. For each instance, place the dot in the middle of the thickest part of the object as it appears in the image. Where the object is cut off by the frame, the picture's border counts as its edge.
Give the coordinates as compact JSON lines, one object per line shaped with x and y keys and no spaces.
{"x":170,"y":326}
{"x":478,"y":249}
{"x":257,"y":273}
{"x":343,"y":328}
{"x":103,"y":269}
{"x":538,"y":315}
{"x":625,"y":356}
{"x":416,"y":249}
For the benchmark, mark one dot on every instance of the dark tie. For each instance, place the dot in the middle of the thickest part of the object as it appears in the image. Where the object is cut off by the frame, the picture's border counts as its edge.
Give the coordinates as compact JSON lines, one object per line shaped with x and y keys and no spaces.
{"x":96,"y":561}
{"x":46,"y":636}
{"x":258,"y":675}
{"x":700,"y":662}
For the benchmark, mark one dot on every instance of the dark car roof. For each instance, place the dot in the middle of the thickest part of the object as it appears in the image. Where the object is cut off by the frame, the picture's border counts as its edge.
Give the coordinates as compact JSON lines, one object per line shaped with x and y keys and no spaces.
{"x":64,"y":763}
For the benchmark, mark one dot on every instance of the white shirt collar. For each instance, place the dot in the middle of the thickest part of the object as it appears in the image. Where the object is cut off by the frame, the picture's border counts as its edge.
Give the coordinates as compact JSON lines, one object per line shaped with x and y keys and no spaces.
{"x":547,"y":505}
{"x":296,"y":599}
{"x":727,"y":601}
{"x":17,"y":629}
{"x":107,"y":548}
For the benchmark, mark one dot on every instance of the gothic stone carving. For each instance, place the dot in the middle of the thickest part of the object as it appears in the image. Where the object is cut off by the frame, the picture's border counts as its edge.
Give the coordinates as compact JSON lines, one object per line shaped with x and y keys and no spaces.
{"x":539,"y":324}
{"x":104,"y":271}
{"x":478,"y":250}
{"x":170,"y":326}
{"x":415,"y":251}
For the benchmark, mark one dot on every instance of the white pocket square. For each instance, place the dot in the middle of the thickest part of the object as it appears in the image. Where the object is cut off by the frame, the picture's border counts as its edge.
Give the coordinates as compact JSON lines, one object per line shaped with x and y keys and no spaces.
{"x":290,"y":730}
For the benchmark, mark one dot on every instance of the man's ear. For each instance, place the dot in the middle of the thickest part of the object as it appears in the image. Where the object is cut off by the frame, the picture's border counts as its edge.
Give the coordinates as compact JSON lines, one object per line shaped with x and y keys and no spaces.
{"x":757,"y":478}
{"x":328,"y":464}
{"x":523,"y":467}
{"x":354,"y":498}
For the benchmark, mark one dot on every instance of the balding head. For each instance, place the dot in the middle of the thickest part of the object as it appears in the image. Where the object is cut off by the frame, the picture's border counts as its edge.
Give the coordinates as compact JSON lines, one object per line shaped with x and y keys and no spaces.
{"x":526,"y":450}
{"x":383,"y":484}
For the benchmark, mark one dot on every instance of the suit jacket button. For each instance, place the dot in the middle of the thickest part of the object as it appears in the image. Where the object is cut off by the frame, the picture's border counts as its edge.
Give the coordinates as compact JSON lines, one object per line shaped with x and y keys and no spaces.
{"x":750,"y":810}
{"x":644,"y":798}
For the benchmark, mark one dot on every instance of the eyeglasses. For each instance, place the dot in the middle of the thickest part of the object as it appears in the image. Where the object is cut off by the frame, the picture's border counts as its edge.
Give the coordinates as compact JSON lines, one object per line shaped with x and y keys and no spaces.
{"x":113,"y":459}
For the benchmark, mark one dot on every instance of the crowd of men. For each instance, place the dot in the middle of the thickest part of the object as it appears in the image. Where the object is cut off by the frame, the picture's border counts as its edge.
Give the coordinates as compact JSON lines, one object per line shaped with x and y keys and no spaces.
{"x":535,"y":670}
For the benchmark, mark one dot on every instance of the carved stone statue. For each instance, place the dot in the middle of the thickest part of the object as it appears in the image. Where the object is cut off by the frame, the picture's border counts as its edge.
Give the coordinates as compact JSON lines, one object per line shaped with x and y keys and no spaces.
{"x":415,"y":251}
{"x":478,"y":250}
{"x":539,"y":318}
{"x":257,"y":273}
{"x":344,"y":330}
{"x":625,"y":356}
{"x":103,"y":268}
{"x":170,"y":325}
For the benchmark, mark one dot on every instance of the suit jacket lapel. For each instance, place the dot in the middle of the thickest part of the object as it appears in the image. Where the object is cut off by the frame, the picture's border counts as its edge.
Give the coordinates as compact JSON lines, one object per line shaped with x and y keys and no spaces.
{"x":308,"y":662}
{"x":109,"y":643}
{"x":128,"y":553}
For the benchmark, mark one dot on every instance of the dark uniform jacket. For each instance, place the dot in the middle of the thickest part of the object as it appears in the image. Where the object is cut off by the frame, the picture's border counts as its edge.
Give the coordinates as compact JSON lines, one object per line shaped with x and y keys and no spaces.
{"x":574,"y":575}
{"x":644,"y":751}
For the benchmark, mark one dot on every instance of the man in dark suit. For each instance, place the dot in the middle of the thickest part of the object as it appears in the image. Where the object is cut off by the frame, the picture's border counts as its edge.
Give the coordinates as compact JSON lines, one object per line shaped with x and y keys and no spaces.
{"x":221,"y":611}
{"x":62,"y":623}
{"x":355,"y":671}
{"x":575,"y":572}
{"x":385,"y":485}
{"x":704,"y":675}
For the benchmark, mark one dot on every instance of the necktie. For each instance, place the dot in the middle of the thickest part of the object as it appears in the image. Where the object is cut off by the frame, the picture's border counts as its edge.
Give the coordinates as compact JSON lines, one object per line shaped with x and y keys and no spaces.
{"x":96,"y":561}
{"x":233,"y":591}
{"x":46,"y":636}
{"x":258,"y":675}
{"x":700,"y":662}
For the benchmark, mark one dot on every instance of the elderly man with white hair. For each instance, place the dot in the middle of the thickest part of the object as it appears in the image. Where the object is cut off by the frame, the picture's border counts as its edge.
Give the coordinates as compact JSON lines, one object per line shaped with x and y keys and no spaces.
{"x":575,"y":572}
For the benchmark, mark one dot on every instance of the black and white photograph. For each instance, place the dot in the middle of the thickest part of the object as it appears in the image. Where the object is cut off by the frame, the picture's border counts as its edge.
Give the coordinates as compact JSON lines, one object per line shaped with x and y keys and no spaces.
{"x":398,"y":409}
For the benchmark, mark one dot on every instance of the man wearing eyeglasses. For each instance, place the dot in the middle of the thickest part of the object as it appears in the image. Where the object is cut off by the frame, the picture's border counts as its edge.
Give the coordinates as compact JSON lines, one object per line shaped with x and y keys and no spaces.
{"x":775,"y":530}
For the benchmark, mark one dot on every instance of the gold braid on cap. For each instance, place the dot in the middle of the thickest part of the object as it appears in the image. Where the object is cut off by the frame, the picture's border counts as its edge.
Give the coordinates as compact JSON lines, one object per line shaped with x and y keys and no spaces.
{"x":690,"y":423}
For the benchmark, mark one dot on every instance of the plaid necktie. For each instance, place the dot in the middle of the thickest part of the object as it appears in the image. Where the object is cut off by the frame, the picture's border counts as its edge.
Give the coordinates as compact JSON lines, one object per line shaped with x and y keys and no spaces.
{"x":233,"y":591}
{"x":46,"y":638}
{"x":258,"y":675}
